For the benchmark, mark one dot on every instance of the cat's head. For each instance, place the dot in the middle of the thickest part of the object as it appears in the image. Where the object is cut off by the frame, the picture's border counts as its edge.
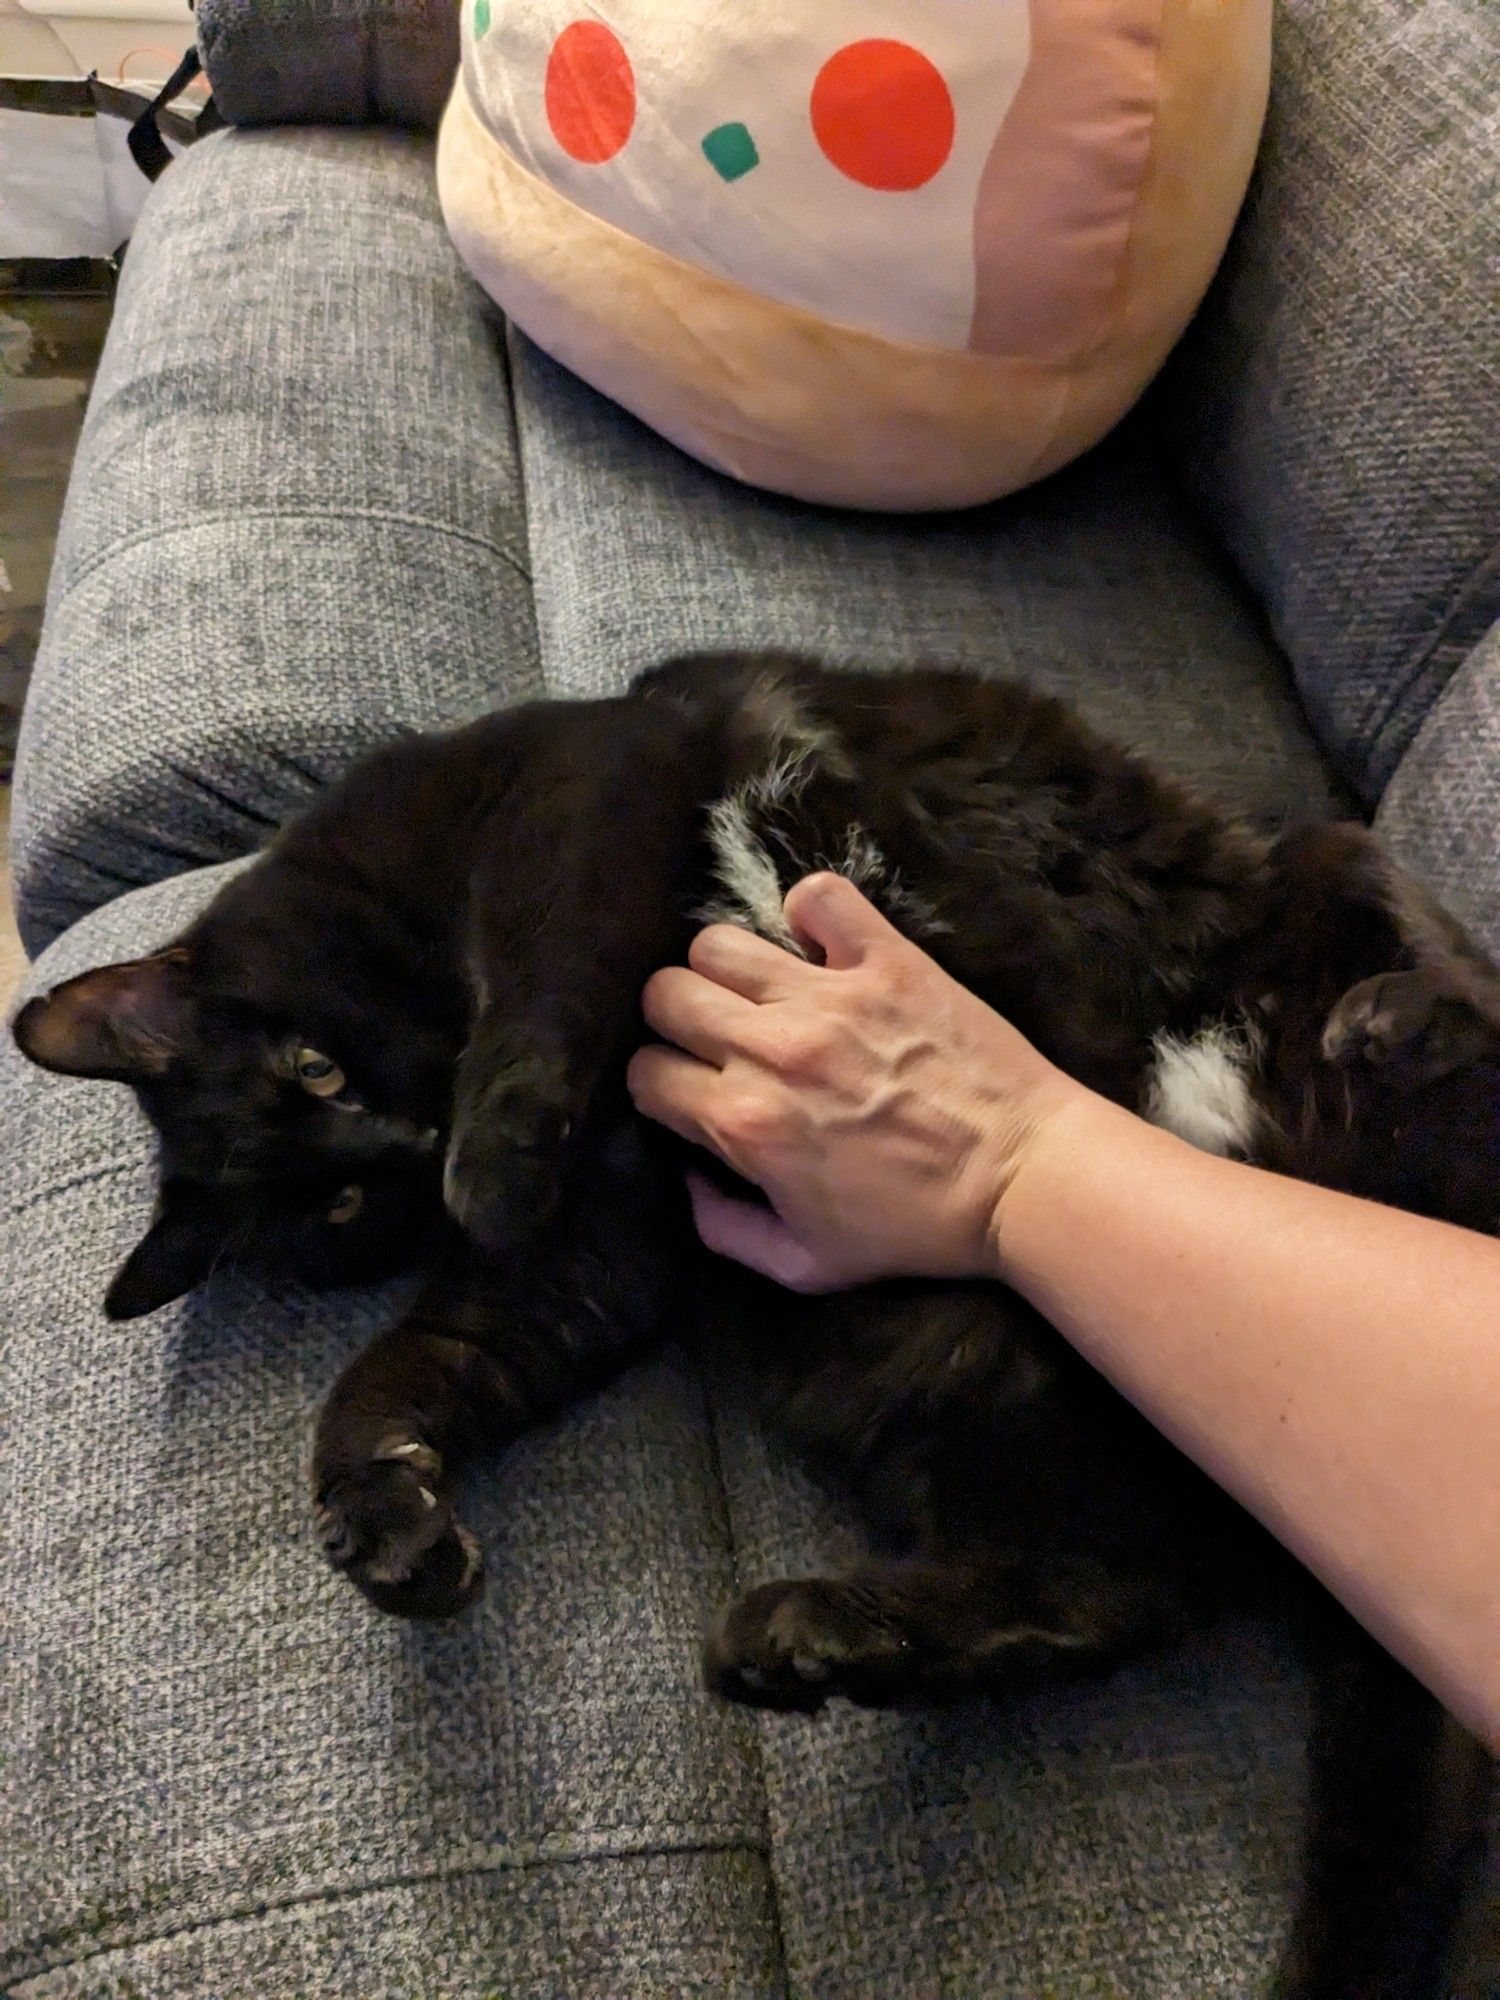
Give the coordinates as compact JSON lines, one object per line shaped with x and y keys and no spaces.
{"x":299,"y":1106}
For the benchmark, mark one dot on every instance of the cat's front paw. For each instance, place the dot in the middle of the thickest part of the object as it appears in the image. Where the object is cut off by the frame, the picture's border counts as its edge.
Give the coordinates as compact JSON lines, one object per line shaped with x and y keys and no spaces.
{"x":503,"y":1174}
{"x":792,"y":1645}
{"x":389,"y":1526}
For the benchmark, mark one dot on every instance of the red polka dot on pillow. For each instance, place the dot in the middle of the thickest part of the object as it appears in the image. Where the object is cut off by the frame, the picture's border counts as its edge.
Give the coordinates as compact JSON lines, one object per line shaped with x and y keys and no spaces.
{"x":883,"y":115}
{"x":590,"y":92}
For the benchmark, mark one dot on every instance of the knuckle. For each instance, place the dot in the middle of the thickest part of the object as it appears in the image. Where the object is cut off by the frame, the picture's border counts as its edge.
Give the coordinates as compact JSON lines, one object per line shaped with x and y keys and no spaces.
{"x":752,"y":1121}
{"x":893,"y":979}
{"x":895,"y":966}
{"x":804,"y":1047}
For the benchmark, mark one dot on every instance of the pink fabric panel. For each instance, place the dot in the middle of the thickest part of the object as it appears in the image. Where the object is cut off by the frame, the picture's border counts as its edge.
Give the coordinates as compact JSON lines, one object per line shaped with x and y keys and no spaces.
{"x":1059,"y":191}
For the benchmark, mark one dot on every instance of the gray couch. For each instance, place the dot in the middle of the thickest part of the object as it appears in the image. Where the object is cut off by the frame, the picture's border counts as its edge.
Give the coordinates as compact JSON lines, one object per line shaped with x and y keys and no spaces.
{"x":321,"y":496}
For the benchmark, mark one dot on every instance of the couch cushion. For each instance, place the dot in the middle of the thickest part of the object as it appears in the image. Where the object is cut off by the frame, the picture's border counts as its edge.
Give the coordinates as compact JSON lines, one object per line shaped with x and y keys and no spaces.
{"x":295,"y":522}
{"x":1096,"y":585}
{"x":1441,"y":811}
{"x":593,"y":1927}
{"x":1136,"y":1836}
{"x":224,"y":1774}
{"x":1335,"y":405}
{"x":329,"y":62}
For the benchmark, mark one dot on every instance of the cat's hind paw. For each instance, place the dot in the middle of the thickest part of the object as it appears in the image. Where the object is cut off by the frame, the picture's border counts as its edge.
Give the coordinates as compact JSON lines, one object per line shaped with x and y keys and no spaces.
{"x":792,"y":1645}
{"x":390,"y":1528}
{"x":1428,"y":1016}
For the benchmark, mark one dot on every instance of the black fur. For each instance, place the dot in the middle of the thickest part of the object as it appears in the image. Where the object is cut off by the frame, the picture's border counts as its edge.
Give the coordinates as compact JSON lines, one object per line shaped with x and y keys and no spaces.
{"x":463,"y":927}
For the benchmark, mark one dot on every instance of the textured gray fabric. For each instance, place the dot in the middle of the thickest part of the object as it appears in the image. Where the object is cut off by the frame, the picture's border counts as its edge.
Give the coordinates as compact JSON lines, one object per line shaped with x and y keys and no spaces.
{"x":1133,"y":1839}
{"x":611,"y":1928}
{"x":203,"y":1728}
{"x":226,"y":1776}
{"x":1095,"y":585}
{"x":1336,"y":406}
{"x":1441,"y":811}
{"x":295,"y":524}
{"x":329,"y":62}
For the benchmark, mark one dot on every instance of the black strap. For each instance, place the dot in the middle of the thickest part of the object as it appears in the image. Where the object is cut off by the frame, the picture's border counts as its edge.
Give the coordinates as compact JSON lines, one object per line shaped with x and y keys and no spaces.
{"x":147,"y":147}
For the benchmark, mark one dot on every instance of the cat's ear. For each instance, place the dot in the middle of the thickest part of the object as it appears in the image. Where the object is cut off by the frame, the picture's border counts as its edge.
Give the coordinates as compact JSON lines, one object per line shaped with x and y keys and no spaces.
{"x":123,"y":1023}
{"x":190,"y":1233}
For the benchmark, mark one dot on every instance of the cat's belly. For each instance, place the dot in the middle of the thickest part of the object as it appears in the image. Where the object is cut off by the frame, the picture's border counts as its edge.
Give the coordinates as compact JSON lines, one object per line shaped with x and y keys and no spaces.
{"x":807,"y":803}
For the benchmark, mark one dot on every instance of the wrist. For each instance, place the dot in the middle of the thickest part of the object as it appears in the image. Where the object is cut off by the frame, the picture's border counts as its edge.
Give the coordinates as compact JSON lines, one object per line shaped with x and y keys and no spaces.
{"x":1068,"y":1139}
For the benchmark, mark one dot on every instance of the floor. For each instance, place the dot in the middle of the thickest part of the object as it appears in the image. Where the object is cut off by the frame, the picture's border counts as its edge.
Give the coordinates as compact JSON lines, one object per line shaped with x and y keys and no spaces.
{"x":52,"y":326}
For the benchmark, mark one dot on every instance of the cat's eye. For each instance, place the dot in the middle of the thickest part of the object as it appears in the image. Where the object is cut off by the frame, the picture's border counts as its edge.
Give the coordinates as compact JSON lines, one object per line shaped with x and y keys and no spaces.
{"x":317,"y":1073}
{"x":351,"y":1200}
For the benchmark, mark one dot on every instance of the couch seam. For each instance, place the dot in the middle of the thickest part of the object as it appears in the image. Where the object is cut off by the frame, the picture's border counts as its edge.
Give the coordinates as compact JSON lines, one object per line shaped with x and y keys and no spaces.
{"x":255,"y":1912}
{"x":710,"y":1402}
{"x":219,"y":517}
{"x":88,"y":1177}
{"x":1459,"y":605}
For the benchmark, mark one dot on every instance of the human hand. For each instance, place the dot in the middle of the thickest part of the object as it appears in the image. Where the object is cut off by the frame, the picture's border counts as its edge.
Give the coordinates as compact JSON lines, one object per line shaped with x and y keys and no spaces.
{"x":881,"y":1107}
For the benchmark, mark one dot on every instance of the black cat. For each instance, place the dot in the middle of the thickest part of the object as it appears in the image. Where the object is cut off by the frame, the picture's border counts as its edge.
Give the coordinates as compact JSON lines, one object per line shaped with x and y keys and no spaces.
{"x":400,"y":1036}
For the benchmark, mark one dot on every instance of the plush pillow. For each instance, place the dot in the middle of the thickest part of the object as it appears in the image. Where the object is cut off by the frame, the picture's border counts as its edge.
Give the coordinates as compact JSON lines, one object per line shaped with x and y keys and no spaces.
{"x":885,"y":253}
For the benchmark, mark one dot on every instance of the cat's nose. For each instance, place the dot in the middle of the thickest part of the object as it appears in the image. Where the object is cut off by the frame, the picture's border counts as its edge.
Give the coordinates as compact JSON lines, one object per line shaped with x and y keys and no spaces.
{"x":730,"y":151}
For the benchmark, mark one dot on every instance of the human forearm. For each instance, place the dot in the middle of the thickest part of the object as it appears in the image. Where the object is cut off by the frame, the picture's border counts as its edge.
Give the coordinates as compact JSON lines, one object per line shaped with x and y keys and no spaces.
{"x":1334,"y":1364}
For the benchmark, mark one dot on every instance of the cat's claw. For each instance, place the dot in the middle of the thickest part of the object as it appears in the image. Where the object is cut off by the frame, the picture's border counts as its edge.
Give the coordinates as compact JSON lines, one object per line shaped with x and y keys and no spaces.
{"x":394,"y":1535}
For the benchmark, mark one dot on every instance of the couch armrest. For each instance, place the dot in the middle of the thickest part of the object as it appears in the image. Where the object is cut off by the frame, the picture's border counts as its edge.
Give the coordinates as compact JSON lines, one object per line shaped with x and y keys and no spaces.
{"x":329,"y":62}
{"x":1441,"y":809}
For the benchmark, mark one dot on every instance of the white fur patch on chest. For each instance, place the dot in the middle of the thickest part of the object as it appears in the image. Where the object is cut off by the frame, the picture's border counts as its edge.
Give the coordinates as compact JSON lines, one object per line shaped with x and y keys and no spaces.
{"x":1201,"y":1089}
{"x":750,"y":885}
{"x":745,"y":826}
